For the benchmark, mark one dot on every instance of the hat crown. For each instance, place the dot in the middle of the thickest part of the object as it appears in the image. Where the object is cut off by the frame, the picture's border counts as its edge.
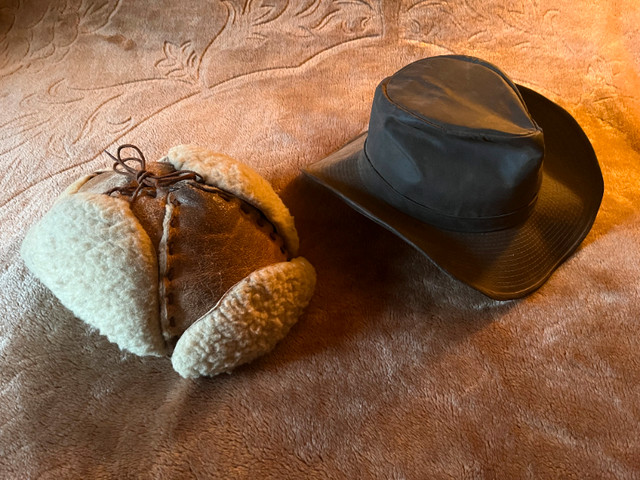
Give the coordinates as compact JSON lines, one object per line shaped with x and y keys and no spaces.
{"x":453,"y":136}
{"x":461,"y":94}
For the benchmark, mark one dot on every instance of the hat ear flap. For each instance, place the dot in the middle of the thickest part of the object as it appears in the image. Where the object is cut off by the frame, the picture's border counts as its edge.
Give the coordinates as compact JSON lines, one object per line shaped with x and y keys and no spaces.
{"x":247,"y":321}
{"x":94,"y":255}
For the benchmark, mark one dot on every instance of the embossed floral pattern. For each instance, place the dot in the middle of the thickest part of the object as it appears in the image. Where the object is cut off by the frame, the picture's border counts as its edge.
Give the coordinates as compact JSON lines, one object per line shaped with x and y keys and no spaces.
{"x":33,"y":33}
{"x":246,"y":37}
{"x":180,"y":62}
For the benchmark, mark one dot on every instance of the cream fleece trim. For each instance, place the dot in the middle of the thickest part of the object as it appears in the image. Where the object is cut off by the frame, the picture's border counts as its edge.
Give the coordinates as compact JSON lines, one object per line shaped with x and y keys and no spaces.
{"x":243,"y":181}
{"x":74,"y":187}
{"x":93,"y":254}
{"x":248,"y":320}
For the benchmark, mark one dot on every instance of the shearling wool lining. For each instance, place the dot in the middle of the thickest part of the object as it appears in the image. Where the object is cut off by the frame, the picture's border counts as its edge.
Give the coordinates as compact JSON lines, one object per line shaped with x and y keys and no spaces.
{"x":248,"y":320}
{"x":243,"y":181}
{"x":92,"y":253}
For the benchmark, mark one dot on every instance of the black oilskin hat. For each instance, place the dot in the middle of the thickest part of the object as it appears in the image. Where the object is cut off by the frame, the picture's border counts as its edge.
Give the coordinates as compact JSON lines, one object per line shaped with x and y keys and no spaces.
{"x":493,"y":182}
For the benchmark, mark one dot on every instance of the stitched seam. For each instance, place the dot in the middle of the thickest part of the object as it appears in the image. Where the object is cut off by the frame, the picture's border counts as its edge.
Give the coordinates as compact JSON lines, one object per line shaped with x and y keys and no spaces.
{"x":249,"y":210}
{"x":528,"y":206}
{"x":165,"y":268}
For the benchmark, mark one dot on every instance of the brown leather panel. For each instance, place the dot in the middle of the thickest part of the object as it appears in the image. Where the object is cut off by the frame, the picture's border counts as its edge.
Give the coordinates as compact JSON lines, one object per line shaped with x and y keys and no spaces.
{"x":215,"y":240}
{"x":148,"y":206}
{"x":149,"y":211}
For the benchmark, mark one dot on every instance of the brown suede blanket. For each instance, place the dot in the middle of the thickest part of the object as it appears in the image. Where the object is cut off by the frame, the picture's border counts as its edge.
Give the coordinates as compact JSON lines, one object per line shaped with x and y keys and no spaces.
{"x":395,"y":370}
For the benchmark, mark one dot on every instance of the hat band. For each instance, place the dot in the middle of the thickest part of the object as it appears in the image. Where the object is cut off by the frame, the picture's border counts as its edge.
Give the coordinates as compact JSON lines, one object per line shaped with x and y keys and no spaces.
{"x":379,"y":187}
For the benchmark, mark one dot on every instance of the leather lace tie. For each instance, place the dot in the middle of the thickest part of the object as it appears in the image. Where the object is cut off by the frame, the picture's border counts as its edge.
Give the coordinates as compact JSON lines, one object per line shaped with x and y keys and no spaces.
{"x":144,"y":179}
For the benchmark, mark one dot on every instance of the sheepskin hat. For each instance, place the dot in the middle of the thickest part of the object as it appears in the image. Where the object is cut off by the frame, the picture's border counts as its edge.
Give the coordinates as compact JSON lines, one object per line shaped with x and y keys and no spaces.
{"x":104,"y":249}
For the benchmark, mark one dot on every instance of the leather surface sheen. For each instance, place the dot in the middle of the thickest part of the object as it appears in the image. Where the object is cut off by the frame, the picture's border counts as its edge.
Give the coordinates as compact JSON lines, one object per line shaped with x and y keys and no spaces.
{"x":213,"y":240}
{"x":452,"y":135}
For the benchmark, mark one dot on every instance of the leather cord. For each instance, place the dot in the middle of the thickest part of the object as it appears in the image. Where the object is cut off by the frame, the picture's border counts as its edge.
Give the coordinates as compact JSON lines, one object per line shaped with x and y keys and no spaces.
{"x":142,"y":178}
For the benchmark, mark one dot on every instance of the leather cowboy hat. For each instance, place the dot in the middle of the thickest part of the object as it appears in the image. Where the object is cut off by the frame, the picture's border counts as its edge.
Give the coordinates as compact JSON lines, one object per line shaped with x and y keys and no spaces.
{"x":493,"y":182}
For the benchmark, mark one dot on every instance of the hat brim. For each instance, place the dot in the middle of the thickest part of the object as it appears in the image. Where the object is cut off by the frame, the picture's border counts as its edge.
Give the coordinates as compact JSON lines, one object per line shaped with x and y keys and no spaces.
{"x":504,"y":264}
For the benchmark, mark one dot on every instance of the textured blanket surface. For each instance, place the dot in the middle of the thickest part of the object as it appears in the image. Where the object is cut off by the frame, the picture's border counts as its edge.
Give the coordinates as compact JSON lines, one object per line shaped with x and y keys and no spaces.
{"x":395,"y":370}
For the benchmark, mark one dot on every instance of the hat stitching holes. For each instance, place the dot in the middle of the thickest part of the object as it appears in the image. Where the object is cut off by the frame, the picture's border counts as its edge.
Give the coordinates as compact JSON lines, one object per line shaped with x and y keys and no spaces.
{"x":260,"y":219}
{"x":166,"y":270}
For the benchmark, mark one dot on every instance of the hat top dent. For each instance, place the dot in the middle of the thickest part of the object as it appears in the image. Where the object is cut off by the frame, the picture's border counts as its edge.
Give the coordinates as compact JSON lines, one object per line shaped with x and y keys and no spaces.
{"x":461,"y":93}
